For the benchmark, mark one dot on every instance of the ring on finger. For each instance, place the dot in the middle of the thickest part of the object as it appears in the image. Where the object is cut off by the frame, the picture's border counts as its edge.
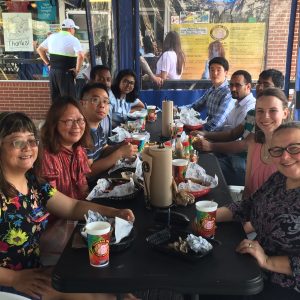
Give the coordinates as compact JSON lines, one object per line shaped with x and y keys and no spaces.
{"x":250,"y":245}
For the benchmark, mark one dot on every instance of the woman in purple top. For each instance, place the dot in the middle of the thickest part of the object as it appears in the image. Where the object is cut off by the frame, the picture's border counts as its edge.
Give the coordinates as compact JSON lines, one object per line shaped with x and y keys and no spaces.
{"x":274,"y":211}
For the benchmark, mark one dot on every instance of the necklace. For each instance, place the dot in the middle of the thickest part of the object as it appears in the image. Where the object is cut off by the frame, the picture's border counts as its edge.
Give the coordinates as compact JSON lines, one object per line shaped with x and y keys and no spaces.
{"x":266,"y":154}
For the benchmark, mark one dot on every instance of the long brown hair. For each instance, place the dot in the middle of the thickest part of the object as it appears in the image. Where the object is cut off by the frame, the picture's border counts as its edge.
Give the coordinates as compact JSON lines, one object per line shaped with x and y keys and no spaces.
{"x":219,"y":46}
{"x":280,"y":95}
{"x":49,"y":133}
{"x":172,"y":43}
{"x":11,"y":122}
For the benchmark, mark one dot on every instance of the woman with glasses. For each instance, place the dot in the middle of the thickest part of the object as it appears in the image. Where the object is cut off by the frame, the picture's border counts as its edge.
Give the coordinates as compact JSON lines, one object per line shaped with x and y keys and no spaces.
{"x":65,"y":135}
{"x":26,"y":201}
{"x":124,"y":98}
{"x":274,"y":211}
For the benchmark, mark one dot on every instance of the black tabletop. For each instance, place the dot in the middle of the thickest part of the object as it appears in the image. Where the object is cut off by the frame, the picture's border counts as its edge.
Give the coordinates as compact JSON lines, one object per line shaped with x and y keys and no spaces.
{"x":139,"y":267}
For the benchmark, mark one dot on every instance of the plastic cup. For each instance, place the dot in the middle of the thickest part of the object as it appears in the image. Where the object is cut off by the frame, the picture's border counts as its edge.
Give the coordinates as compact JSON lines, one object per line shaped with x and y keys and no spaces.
{"x":139,"y":140}
{"x":205,"y":221}
{"x":98,"y":235}
{"x":179,"y":167}
{"x":151,"y":115}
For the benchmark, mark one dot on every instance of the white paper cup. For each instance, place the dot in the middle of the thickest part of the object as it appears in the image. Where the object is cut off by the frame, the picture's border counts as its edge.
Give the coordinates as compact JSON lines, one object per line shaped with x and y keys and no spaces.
{"x":139,"y":140}
{"x":179,"y":167}
{"x":98,"y":236}
{"x":205,"y":221}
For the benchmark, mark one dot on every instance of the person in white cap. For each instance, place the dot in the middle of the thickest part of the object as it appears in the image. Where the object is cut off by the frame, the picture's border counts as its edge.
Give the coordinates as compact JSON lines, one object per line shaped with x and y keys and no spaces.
{"x":66,"y":57}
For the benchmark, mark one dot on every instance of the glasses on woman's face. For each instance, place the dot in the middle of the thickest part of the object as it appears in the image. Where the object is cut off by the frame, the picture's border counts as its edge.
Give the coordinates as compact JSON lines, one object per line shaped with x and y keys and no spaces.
{"x":70,"y":122}
{"x":291,"y":149}
{"x":128,"y":82}
{"x":21,"y":144}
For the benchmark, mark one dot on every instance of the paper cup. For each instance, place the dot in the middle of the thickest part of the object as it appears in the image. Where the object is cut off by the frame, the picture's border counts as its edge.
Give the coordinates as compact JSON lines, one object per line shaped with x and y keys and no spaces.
{"x":205,"y":221}
{"x":98,"y":235}
{"x":151,"y":116}
{"x":139,"y":140}
{"x":179,"y":167}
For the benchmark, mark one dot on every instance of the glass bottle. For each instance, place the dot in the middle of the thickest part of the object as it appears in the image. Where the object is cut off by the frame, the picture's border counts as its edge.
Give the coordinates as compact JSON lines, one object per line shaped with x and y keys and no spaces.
{"x":186,"y":150}
{"x":178,"y":147}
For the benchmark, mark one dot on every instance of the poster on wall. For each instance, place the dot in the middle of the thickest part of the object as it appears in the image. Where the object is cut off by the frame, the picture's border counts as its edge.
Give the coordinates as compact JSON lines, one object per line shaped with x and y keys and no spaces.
{"x":243,"y":44}
{"x":18,"y":33}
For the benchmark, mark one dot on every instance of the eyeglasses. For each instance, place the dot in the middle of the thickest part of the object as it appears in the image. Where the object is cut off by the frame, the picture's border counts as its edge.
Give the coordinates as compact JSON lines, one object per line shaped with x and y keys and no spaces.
{"x":264,"y":84}
{"x":291,"y":149}
{"x":128,"y":82}
{"x":71,"y":122}
{"x":21,"y":144}
{"x":99,"y":100}
{"x":236,"y":85}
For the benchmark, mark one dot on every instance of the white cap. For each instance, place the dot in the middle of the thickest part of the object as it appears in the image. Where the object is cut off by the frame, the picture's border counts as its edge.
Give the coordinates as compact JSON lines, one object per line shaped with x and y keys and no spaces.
{"x":69,"y":23}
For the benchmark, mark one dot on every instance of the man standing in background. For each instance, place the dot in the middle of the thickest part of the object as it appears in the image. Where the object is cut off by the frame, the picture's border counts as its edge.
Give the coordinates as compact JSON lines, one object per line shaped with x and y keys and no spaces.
{"x":66,"y":58}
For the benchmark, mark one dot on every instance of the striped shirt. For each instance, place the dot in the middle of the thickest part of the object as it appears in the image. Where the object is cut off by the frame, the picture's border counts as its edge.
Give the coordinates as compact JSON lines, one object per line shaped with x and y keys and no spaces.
{"x":219,"y":103}
{"x":100,"y":140}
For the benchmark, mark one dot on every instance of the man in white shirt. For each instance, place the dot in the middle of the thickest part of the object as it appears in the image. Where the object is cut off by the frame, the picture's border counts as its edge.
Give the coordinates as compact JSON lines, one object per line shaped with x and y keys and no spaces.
{"x":240,"y":88}
{"x":66,"y":58}
{"x":234,"y":165}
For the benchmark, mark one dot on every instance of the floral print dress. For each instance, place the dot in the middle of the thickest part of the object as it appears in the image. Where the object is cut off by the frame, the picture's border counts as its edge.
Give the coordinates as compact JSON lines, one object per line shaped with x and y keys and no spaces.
{"x":22,"y":220}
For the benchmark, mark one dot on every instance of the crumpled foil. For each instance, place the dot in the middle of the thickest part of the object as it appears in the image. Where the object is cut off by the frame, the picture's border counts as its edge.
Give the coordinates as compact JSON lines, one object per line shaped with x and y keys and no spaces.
{"x":198,"y":244}
{"x":100,"y":190}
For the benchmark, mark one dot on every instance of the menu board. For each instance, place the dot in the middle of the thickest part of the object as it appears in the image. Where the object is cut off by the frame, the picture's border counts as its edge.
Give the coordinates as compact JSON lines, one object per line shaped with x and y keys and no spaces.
{"x":244,"y":45}
{"x":18,"y":34}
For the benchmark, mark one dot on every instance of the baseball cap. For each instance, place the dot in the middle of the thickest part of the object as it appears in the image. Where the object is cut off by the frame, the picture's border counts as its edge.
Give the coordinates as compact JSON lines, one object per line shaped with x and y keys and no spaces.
{"x":69,"y":23}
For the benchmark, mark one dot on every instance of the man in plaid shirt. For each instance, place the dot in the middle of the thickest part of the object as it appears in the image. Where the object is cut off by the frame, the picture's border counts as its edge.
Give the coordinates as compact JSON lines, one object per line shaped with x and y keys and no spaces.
{"x":217,"y":99}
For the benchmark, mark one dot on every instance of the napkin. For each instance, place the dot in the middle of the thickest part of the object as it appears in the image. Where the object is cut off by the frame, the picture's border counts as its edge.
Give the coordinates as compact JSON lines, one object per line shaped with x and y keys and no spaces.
{"x":138,"y":114}
{"x":100,"y":190}
{"x":122,"y":228}
{"x":194,"y":171}
{"x":190,"y":117}
{"x":120,"y":136}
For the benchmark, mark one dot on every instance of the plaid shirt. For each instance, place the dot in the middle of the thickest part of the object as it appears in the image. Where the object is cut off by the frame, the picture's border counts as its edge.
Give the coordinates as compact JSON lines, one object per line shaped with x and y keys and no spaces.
{"x":219,"y":103}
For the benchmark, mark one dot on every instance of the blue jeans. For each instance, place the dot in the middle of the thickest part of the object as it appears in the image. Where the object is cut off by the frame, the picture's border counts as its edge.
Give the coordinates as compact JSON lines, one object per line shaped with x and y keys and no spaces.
{"x":233,"y":168}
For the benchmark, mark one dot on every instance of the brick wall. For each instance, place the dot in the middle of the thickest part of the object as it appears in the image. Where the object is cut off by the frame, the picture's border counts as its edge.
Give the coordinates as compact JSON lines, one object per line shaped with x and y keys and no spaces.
{"x":32,"y":97}
{"x":278,"y":36}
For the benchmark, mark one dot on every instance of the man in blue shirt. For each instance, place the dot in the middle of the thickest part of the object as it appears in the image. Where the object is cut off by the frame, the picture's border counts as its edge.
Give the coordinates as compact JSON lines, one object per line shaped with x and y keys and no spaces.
{"x":216,"y":100}
{"x":95,"y":102}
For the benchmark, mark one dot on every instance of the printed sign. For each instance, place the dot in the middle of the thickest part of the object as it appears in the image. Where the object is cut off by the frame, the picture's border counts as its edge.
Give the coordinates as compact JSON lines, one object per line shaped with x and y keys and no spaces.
{"x":18,"y":34}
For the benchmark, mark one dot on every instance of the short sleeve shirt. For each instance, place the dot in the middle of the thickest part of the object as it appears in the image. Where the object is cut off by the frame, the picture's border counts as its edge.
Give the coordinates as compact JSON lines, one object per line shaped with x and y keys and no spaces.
{"x":62,"y":43}
{"x":100,"y":140}
{"x":23,"y":218}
